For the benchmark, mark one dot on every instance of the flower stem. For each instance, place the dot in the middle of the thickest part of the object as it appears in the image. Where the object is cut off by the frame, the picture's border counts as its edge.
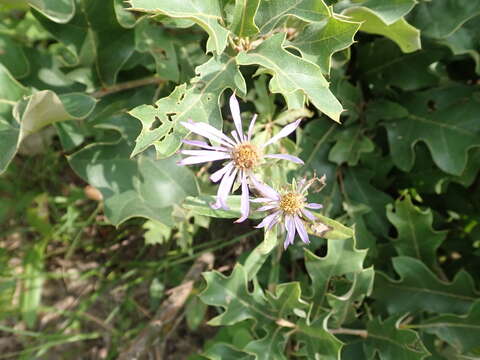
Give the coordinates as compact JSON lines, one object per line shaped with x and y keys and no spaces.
{"x":356,"y":332}
{"x":127,"y":86}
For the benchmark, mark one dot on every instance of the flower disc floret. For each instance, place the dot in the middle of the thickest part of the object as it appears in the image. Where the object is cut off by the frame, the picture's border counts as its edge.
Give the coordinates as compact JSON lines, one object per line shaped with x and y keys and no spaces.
{"x":291,"y":203}
{"x":289,"y":209}
{"x":246,"y":156}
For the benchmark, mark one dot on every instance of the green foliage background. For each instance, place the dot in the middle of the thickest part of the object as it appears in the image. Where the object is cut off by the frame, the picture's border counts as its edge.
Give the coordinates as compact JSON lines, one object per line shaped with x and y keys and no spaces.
{"x":389,"y":93}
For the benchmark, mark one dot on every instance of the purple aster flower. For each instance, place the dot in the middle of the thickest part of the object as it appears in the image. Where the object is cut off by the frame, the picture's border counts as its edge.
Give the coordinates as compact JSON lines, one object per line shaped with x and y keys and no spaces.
{"x":290,"y":208}
{"x":241,"y":155}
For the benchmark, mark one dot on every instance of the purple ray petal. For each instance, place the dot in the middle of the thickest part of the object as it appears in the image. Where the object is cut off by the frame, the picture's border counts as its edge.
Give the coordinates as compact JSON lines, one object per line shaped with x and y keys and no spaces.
{"x":309,"y":215}
{"x":201,"y":152}
{"x":209,"y":132}
{"x":290,"y":227}
{"x":204,"y":145}
{"x":204,"y":158}
{"x":217,"y":175}
{"x":244,"y":203}
{"x":267,"y":207}
{"x":269,"y":221}
{"x":287,"y":130}
{"x":235,"y":136}
{"x":314,"y":206}
{"x":285,"y":157}
{"x":264,"y":189}
{"x":224,"y":189}
{"x":251,"y":127}
{"x":301,"y":229}
{"x":237,"y":119}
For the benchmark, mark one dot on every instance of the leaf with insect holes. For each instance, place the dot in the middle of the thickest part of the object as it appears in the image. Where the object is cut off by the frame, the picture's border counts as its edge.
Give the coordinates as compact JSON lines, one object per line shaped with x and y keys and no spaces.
{"x":206,"y":13}
{"x":199,"y":102}
{"x":420,"y":289}
{"x":293,"y":77}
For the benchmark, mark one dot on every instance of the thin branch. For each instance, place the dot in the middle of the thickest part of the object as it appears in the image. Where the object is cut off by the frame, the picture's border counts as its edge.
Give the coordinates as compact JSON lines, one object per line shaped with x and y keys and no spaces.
{"x":127,"y":86}
{"x":168,"y":311}
{"x":356,"y":332}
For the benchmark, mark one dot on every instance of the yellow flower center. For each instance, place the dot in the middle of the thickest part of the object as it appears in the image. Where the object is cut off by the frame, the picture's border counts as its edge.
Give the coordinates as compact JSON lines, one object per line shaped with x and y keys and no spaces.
{"x":291,"y":202}
{"x":245,"y":156}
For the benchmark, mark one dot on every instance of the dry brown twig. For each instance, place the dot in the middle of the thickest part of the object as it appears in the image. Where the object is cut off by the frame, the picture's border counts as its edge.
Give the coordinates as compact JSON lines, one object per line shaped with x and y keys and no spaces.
{"x":168,"y":310}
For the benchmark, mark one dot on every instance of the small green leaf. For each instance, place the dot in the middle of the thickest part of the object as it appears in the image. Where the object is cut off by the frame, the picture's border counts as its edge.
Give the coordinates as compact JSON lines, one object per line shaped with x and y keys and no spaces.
{"x":344,"y":305}
{"x":416,"y":238}
{"x":318,"y":41}
{"x":205,"y":13}
{"x":419,"y":289}
{"x":317,"y":341}
{"x":156,"y":232}
{"x":405,"y":35}
{"x":295,"y":78}
{"x":342,"y":258}
{"x":351,"y":144}
{"x":243,"y":23}
{"x":462,"y":332}
{"x":60,"y":11}
{"x":392,"y":343}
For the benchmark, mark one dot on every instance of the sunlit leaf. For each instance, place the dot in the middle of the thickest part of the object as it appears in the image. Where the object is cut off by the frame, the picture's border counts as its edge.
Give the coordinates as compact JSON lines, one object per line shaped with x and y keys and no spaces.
{"x":405,"y":35}
{"x":295,"y":78}
{"x":206,"y":13}
{"x":243,"y":23}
